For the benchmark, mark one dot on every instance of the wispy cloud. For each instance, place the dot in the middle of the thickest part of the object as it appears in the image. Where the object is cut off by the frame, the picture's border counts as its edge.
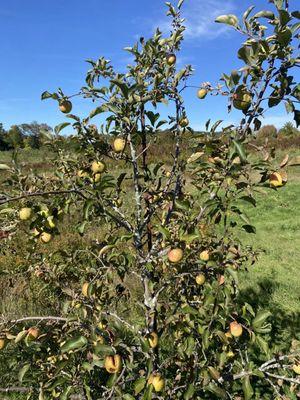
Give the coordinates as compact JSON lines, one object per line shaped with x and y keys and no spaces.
{"x":200,"y":16}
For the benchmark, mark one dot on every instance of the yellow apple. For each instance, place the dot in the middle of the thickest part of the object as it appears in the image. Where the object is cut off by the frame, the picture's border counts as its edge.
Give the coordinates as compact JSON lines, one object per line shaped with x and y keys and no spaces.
{"x":184,"y":122}
{"x":200,"y":279}
{"x":175,"y":255}
{"x":119,"y":145}
{"x":242,"y":99}
{"x":296,"y":369}
{"x":45,"y":237}
{"x":97,"y":178}
{"x":82,"y":174}
{"x":25,"y":213}
{"x":113,"y":364}
{"x":2,"y":343}
{"x":275,"y":179}
{"x":202,"y":93}
{"x":85,"y":288}
{"x":157,"y":381}
{"x":204,"y":255}
{"x":65,"y":106}
{"x":153,"y":340}
{"x":98,"y":166}
{"x":33,"y":333}
{"x":236,"y":329}
{"x":171,"y":59}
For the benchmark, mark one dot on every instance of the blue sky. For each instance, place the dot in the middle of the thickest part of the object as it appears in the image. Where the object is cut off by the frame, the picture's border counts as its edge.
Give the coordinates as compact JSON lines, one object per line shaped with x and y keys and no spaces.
{"x":45,"y":43}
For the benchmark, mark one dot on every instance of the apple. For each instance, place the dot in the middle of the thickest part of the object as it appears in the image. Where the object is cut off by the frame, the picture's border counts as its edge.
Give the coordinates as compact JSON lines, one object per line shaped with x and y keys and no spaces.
{"x":2,"y":344}
{"x":175,"y":255}
{"x":153,"y":340}
{"x":65,"y":106}
{"x":200,"y":279}
{"x":98,"y":166}
{"x":119,"y":145}
{"x":236,"y":329}
{"x":202,"y":93}
{"x":204,"y":255}
{"x":275,"y":179}
{"x":184,"y":122}
{"x":171,"y":59}
{"x":296,"y":369}
{"x":33,"y":333}
{"x":85,"y":289}
{"x":45,"y":237}
{"x":242,"y":99}
{"x":25,"y":213}
{"x":157,"y":381}
{"x":97,"y":178}
{"x":82,"y":174}
{"x":113,"y":364}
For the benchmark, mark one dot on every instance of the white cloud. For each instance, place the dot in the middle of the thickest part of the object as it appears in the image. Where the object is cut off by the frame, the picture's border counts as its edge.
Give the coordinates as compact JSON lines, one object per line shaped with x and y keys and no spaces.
{"x":200,"y":16}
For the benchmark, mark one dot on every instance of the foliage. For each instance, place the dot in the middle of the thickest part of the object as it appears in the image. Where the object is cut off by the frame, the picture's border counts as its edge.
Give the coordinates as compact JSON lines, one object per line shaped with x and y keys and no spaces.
{"x":25,"y":135}
{"x":188,"y":335}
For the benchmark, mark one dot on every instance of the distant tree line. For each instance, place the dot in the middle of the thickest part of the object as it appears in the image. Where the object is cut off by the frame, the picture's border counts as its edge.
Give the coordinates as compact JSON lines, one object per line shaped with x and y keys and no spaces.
{"x":23,"y":136}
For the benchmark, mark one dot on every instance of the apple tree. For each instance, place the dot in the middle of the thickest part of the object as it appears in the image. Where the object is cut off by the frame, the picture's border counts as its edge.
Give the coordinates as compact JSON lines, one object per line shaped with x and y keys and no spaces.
{"x":148,"y":303}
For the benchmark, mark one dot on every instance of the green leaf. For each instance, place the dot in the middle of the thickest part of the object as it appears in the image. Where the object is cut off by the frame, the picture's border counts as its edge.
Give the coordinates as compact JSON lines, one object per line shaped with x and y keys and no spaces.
{"x":247,"y":388}
{"x":74,"y":344}
{"x":180,"y":4}
{"x":189,"y":392}
{"x":139,"y":385}
{"x":260,"y":318}
{"x":247,"y":12}
{"x":262,"y":344}
{"x":128,"y":397}
{"x":60,"y":127}
{"x":240,"y":150}
{"x":4,"y":167}
{"x":124,"y":88}
{"x":229,"y":19}
{"x":96,"y":111}
{"x":22,"y":372}
{"x":264,"y":14}
{"x":249,"y":228}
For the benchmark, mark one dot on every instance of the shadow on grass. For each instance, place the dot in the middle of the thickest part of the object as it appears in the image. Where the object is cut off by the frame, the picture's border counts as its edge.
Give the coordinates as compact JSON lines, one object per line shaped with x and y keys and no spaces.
{"x":285,"y":325}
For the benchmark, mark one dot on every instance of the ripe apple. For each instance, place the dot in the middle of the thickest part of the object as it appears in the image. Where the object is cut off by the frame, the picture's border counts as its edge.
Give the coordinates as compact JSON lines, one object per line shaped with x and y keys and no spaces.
{"x":153,"y":340}
{"x":98,"y":166}
{"x":236,"y":329}
{"x":25,"y":213}
{"x":175,"y":255}
{"x":97,"y":178}
{"x":85,"y":288}
{"x":33,"y":333}
{"x":45,"y":237}
{"x":200,"y":279}
{"x":82,"y":174}
{"x":119,"y":145}
{"x":204,"y":255}
{"x":157,"y":381}
{"x":242,"y":99}
{"x":296,"y":369}
{"x":171,"y":59}
{"x":202,"y":93}
{"x":2,"y":344}
{"x":65,"y":106}
{"x":275,"y":179}
{"x":113,"y":364}
{"x":184,"y":122}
